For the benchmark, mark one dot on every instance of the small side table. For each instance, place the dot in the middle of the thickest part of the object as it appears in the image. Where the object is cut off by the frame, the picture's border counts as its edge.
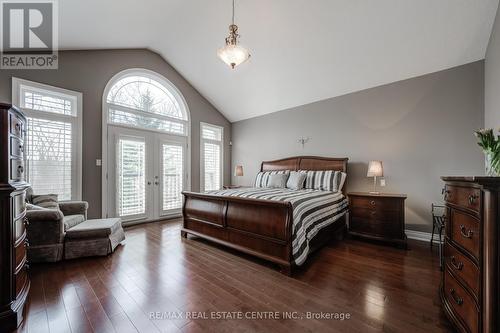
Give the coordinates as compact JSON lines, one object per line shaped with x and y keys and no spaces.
{"x":378,"y":216}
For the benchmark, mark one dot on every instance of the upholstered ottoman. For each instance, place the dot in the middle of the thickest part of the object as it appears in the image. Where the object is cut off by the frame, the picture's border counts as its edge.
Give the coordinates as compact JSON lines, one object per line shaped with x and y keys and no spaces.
{"x":97,"y":237}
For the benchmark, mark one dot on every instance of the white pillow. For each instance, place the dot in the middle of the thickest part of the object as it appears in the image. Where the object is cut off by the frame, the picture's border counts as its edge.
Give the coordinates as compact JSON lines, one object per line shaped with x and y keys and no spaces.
{"x":277,"y":181}
{"x":296,"y":180}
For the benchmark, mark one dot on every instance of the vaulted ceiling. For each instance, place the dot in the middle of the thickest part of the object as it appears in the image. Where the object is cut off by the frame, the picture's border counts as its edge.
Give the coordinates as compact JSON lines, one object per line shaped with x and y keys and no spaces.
{"x":302,"y":50}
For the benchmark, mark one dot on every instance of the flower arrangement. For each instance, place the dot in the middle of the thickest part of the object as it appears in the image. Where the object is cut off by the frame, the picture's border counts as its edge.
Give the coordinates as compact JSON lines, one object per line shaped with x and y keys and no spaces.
{"x":491,"y":148}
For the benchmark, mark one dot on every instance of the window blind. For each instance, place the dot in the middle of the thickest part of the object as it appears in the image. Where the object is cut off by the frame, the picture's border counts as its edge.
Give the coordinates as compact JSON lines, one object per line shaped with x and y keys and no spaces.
{"x":212,"y":166}
{"x":172,"y":176}
{"x":37,"y":100}
{"x":211,"y":132}
{"x":145,"y":121}
{"x":131,"y":177}
{"x":50,"y":157}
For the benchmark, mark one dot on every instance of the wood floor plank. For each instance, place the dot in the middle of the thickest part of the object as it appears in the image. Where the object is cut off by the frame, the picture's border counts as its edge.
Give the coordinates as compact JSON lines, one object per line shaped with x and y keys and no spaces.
{"x":160,"y":282}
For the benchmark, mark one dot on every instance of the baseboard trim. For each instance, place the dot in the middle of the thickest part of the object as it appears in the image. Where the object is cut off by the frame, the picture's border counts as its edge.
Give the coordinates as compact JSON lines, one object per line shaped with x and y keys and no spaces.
{"x":421,"y":236}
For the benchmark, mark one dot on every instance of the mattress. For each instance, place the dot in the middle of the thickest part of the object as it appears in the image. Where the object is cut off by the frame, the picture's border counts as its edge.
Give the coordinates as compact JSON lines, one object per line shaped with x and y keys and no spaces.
{"x":313,"y":210}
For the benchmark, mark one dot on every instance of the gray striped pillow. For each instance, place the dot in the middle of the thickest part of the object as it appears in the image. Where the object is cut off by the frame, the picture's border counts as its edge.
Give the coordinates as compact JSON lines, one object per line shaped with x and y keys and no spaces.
{"x":327,"y":180}
{"x":263,"y":177}
{"x":45,"y":201}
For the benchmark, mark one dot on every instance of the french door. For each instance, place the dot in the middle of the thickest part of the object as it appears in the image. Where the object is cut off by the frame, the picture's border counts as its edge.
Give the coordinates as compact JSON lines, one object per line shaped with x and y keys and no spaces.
{"x":146,"y":174}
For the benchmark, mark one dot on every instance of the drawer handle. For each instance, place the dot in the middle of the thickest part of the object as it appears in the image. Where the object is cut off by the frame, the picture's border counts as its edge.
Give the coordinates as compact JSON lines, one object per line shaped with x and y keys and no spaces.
{"x":373,"y":213}
{"x":18,"y":127}
{"x":472,"y":198}
{"x":459,"y":300}
{"x":467,"y":234}
{"x":21,"y":149}
{"x":20,"y":169}
{"x":372,"y":202}
{"x":458,"y":266}
{"x":26,"y":221}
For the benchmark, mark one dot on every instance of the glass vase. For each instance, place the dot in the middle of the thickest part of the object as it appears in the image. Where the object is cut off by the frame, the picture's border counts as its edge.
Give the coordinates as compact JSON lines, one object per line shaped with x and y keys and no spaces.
{"x":492,"y":165}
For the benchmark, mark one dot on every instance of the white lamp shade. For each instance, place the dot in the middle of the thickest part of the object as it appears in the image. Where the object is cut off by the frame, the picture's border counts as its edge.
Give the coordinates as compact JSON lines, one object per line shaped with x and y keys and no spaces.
{"x":233,"y":55}
{"x":375,"y":169}
{"x":238,"y":170}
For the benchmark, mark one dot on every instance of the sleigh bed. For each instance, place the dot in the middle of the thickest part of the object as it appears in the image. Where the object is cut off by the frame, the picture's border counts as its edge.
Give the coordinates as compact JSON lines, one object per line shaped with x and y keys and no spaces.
{"x":261,"y":227}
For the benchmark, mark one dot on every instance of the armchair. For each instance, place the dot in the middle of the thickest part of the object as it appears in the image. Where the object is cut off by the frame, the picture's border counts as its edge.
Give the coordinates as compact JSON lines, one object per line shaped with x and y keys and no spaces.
{"x":47,"y":229}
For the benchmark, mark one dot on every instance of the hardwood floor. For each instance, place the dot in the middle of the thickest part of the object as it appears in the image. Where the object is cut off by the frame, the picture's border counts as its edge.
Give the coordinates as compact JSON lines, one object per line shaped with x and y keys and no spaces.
{"x":157,"y":273}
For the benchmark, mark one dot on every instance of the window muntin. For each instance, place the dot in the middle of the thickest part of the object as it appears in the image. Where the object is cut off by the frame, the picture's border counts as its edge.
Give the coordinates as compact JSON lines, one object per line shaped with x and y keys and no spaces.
{"x":46,"y":101}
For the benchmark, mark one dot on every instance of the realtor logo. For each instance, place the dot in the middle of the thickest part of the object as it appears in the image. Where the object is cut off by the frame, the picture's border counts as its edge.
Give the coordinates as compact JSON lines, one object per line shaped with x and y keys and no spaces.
{"x":29,"y":34}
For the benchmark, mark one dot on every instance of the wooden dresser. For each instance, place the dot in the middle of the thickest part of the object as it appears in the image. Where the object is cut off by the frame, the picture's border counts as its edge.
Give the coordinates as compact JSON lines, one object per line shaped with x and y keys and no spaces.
{"x":378,"y":216}
{"x":469,"y":287}
{"x":14,"y":280}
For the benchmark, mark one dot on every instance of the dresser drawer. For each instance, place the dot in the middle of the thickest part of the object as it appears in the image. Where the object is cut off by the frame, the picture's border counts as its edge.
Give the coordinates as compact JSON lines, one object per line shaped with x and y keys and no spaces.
{"x":375,"y":214}
{"x":373,"y":227}
{"x":16,"y":125}
{"x":464,"y":230}
{"x":19,"y":228}
{"x":16,"y":169}
{"x":16,"y":147}
{"x":20,"y":252}
{"x":375,"y":203}
{"x":19,"y":204}
{"x":462,"y":267}
{"x":464,"y":197}
{"x":21,"y":279}
{"x":461,"y":302}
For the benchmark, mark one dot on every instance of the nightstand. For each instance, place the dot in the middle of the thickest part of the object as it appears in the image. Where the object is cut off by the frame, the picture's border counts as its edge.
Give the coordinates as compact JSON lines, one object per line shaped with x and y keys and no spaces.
{"x":378,"y":217}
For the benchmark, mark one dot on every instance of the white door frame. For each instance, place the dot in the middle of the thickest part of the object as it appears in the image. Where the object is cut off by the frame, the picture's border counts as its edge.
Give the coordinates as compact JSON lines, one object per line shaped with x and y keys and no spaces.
{"x":104,"y":155}
{"x":153,"y":171}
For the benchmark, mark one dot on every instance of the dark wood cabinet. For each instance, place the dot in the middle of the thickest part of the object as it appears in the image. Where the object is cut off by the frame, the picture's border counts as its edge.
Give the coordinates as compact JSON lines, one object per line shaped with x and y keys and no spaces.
{"x":14,"y":278}
{"x":378,"y":216}
{"x":470,"y":283}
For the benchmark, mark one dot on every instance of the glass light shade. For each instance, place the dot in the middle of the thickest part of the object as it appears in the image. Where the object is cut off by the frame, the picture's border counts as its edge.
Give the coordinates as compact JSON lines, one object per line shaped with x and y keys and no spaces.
{"x":238,"y":171}
{"x":233,"y":55}
{"x":375,"y":169}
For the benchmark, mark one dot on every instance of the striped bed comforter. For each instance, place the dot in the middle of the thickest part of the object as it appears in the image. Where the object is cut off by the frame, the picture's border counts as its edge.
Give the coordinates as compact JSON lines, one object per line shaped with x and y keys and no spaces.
{"x":312,"y":211}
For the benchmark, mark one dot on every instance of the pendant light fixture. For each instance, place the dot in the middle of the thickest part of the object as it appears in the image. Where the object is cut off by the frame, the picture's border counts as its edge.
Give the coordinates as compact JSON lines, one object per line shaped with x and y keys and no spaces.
{"x":233,"y":54}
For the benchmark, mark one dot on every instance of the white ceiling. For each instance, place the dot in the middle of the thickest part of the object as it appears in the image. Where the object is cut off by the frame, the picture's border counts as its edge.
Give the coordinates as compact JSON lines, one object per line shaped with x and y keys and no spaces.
{"x":302,"y":50}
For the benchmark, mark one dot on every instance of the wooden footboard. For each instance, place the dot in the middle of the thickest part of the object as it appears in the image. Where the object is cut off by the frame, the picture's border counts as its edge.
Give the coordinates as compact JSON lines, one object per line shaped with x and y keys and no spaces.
{"x":257,"y":227}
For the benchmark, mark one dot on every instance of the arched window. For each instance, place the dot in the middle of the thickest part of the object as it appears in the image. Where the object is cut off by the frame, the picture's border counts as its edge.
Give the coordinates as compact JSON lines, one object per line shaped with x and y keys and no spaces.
{"x":143,"y":99}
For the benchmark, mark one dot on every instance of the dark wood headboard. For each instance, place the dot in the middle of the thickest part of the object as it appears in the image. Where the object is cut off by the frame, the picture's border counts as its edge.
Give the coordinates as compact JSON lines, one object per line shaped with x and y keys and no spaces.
{"x":306,"y":163}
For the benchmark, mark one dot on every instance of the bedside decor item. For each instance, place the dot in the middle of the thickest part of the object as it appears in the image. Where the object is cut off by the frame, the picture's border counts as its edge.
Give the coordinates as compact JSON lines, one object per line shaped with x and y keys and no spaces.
{"x":238,"y":171}
{"x":375,"y":169}
{"x":491,"y":150}
{"x":233,"y":54}
{"x":470,"y":282}
{"x":378,"y":217}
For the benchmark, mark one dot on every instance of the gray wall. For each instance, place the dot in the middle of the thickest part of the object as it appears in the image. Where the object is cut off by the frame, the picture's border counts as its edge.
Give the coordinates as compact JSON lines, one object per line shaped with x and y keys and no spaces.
{"x":420,"y":128}
{"x":492,"y":78}
{"x":88,"y":72}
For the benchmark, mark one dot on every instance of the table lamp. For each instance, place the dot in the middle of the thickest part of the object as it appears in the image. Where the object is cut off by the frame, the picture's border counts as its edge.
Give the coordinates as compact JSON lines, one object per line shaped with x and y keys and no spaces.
{"x":375,"y":169}
{"x":238,"y":171}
